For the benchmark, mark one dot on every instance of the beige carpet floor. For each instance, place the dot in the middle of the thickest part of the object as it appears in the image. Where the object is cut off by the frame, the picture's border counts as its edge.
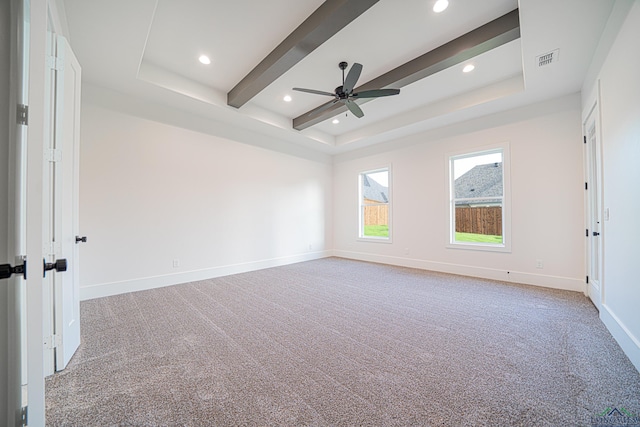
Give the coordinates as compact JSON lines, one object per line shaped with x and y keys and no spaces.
{"x":335,"y":342}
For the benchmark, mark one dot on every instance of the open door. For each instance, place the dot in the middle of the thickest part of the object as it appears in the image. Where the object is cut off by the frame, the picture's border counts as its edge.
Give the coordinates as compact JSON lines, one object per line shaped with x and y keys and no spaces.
{"x":593,"y":186}
{"x":22,"y":371}
{"x":64,"y":160}
{"x":14,"y":286}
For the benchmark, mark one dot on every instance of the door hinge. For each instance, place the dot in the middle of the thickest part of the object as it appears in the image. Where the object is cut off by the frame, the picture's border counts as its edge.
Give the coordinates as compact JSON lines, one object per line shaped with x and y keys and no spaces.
{"x":52,"y":249}
{"x":22,"y":114}
{"x":586,"y":186}
{"x":24,"y":419}
{"x":584,"y":138}
{"x":55,"y":63}
{"x":52,"y":342}
{"x":53,"y":155}
{"x":587,"y":233}
{"x":587,"y":279}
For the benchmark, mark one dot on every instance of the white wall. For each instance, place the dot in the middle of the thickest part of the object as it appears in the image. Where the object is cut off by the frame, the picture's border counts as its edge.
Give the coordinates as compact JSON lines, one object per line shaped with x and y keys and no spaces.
{"x":546,"y":192}
{"x":620,"y":124}
{"x":152,"y":193}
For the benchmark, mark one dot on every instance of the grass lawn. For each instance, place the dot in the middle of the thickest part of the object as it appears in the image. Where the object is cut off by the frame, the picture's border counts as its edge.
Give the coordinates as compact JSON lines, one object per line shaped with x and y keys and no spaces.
{"x":478,"y":238}
{"x":376,"y":230}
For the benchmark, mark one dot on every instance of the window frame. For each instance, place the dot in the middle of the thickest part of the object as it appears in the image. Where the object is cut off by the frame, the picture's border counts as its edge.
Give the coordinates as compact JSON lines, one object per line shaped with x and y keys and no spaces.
{"x":361,"y":236}
{"x":451,"y":243}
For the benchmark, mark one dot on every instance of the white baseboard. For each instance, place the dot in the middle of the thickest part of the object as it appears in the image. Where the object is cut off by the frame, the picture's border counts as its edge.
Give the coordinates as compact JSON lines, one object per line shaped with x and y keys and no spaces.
{"x":625,"y":338}
{"x":555,"y":282}
{"x":144,"y":283}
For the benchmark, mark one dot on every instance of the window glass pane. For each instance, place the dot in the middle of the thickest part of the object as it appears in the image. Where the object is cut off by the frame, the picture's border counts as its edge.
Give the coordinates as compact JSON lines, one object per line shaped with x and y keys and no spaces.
{"x":478,"y":198}
{"x":374,"y":202}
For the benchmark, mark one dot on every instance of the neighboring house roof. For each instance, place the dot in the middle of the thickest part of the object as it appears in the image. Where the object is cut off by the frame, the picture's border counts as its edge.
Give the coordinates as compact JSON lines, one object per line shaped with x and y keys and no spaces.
{"x":373,"y":190}
{"x":481,"y":181}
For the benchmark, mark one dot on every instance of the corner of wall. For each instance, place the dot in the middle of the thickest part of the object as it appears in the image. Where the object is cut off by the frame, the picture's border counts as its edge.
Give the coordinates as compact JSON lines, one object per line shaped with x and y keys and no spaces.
{"x":618,"y":14}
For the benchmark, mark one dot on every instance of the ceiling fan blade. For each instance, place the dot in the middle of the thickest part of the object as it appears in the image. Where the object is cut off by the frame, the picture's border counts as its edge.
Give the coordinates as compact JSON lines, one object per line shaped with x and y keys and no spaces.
{"x":323,"y":107}
{"x":352,"y":78}
{"x":354,"y":108}
{"x":317,"y":92}
{"x":375,"y":93}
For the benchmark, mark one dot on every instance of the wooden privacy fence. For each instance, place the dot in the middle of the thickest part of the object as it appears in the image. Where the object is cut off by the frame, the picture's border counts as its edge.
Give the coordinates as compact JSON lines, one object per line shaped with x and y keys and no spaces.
{"x":479,"y":220}
{"x":376,"y":215}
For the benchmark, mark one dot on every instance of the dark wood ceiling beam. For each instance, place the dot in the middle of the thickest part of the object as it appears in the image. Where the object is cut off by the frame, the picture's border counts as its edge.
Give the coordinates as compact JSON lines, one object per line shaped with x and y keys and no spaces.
{"x":326,"y":21}
{"x":489,"y":36}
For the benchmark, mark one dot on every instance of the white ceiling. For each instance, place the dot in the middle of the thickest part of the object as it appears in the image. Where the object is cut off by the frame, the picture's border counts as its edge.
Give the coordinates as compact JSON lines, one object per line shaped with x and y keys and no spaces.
{"x":150,"y":48}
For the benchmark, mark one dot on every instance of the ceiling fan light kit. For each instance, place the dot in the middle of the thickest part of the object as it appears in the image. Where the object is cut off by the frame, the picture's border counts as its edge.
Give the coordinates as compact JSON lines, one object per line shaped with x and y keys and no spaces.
{"x":345,"y":92}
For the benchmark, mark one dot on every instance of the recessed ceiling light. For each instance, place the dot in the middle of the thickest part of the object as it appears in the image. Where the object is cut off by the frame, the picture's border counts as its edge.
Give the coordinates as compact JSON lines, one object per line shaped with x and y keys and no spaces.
{"x":468,"y":68}
{"x":204,"y":59}
{"x":287,"y":98}
{"x":440,"y":6}
{"x":335,"y":121}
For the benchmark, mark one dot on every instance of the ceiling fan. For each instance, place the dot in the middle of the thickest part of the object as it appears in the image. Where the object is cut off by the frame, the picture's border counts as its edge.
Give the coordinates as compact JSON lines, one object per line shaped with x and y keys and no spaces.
{"x":345,"y":92}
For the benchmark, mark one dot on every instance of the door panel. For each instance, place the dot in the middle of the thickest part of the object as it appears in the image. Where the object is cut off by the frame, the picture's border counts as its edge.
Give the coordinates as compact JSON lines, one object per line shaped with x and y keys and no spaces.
{"x":594,"y":205}
{"x":67,"y":141}
{"x":16,"y":376}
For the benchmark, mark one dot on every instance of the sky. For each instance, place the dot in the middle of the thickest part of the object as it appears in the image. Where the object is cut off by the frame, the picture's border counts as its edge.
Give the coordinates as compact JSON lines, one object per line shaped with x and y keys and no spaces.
{"x":465,"y":164}
{"x":381,"y":178}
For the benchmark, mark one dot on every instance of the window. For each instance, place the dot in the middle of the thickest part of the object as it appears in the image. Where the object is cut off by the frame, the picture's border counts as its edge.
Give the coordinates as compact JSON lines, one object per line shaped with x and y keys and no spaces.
{"x":374,"y":205}
{"x":478,"y":189}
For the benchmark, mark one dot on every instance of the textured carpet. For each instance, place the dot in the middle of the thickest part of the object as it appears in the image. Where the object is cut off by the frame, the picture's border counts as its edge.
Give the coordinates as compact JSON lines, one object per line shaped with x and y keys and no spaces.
{"x":335,"y":342}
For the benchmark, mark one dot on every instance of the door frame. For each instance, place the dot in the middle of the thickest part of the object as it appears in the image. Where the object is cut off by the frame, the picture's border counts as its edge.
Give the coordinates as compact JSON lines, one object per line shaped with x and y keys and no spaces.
{"x":594,"y":200}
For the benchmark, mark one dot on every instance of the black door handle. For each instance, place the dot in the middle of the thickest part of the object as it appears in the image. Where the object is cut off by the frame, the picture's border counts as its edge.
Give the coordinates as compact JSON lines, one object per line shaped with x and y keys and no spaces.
{"x":7,"y":270}
{"x":82,"y":239}
{"x":60,"y":265}
{"x":595,"y":233}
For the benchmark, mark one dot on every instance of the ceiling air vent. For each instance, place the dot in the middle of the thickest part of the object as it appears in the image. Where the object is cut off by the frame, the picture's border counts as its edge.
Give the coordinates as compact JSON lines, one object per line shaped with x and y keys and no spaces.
{"x":547,"y":58}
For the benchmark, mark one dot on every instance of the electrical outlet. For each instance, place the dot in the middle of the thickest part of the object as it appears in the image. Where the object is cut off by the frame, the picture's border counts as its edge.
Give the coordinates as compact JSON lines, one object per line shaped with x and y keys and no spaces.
{"x":176,"y":263}
{"x":539,"y":263}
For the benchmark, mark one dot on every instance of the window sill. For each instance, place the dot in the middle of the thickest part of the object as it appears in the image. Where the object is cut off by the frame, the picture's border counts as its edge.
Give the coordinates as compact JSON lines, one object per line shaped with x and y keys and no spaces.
{"x":479,"y":247}
{"x":375,"y":239}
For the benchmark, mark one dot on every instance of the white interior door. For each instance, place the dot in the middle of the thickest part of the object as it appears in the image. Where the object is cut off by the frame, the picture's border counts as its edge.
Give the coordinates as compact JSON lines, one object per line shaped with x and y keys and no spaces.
{"x":594,"y":204}
{"x":18,"y":34}
{"x":66,"y":291}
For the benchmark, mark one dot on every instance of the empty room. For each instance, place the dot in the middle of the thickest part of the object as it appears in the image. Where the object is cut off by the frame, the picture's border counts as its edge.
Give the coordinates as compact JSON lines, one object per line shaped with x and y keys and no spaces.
{"x":320,"y":212}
